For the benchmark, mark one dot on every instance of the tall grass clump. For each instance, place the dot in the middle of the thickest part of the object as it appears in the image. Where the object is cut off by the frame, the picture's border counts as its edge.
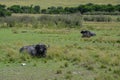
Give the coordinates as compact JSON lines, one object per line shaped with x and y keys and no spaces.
{"x":13,"y":21}
{"x":56,"y":53}
{"x":9,"y":55}
{"x":105,"y":77}
{"x":118,"y":19}
{"x":97,"y":18}
{"x":65,"y":20}
{"x":63,"y":53}
{"x":102,"y":13}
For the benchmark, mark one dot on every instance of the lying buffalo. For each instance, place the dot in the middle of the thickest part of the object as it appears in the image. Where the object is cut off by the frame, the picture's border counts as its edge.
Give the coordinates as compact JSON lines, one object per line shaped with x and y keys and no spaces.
{"x":86,"y":33}
{"x":38,"y":50}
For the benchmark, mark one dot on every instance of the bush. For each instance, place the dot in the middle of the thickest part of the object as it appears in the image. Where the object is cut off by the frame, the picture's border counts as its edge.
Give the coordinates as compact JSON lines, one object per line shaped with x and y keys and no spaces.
{"x":15,"y":9}
{"x":36,"y":9}
{"x":4,"y":12}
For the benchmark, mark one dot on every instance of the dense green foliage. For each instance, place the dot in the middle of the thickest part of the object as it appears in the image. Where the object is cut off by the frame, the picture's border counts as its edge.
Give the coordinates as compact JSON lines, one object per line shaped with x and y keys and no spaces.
{"x":108,"y":9}
{"x":83,"y":9}
{"x":24,"y":9}
{"x":3,"y":11}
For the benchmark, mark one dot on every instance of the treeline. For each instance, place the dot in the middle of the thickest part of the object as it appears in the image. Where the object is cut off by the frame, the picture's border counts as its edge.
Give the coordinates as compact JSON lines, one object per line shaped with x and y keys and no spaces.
{"x":7,"y":11}
{"x":83,"y":9}
{"x":24,"y":9}
{"x":3,"y":11}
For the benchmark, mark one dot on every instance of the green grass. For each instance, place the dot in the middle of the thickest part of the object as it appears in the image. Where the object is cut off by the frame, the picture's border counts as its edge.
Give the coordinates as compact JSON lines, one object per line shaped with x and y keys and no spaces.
{"x":48,"y":3}
{"x":69,"y":56}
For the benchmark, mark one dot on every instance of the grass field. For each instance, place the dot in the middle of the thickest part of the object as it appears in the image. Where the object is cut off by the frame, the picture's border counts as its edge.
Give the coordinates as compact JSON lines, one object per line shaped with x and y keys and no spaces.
{"x":69,"y":56}
{"x":48,"y":3}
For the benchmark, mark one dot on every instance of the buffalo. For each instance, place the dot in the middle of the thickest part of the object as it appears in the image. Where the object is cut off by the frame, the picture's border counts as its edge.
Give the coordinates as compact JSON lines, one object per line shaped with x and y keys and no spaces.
{"x":86,"y":33}
{"x":38,"y":50}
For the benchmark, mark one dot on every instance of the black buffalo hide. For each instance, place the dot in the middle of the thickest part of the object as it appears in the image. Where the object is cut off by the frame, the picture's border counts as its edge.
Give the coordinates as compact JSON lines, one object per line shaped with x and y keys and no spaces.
{"x":86,"y":33}
{"x":38,"y":50}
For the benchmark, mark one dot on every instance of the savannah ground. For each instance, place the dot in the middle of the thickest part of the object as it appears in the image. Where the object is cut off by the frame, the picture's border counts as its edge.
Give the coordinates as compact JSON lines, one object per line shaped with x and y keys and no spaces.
{"x":69,"y":56}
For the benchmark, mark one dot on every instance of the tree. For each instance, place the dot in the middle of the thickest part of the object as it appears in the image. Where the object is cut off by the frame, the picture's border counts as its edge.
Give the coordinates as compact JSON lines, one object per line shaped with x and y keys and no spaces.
{"x":4,"y":12}
{"x":37,"y":9}
{"x":15,"y":9}
{"x":26,"y":9}
{"x":52,"y":10}
{"x":44,"y":11}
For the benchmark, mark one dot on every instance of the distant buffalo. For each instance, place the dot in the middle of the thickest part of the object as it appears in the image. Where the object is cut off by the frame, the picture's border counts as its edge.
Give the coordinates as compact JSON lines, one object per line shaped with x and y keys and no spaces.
{"x":86,"y":33}
{"x":38,"y":50}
